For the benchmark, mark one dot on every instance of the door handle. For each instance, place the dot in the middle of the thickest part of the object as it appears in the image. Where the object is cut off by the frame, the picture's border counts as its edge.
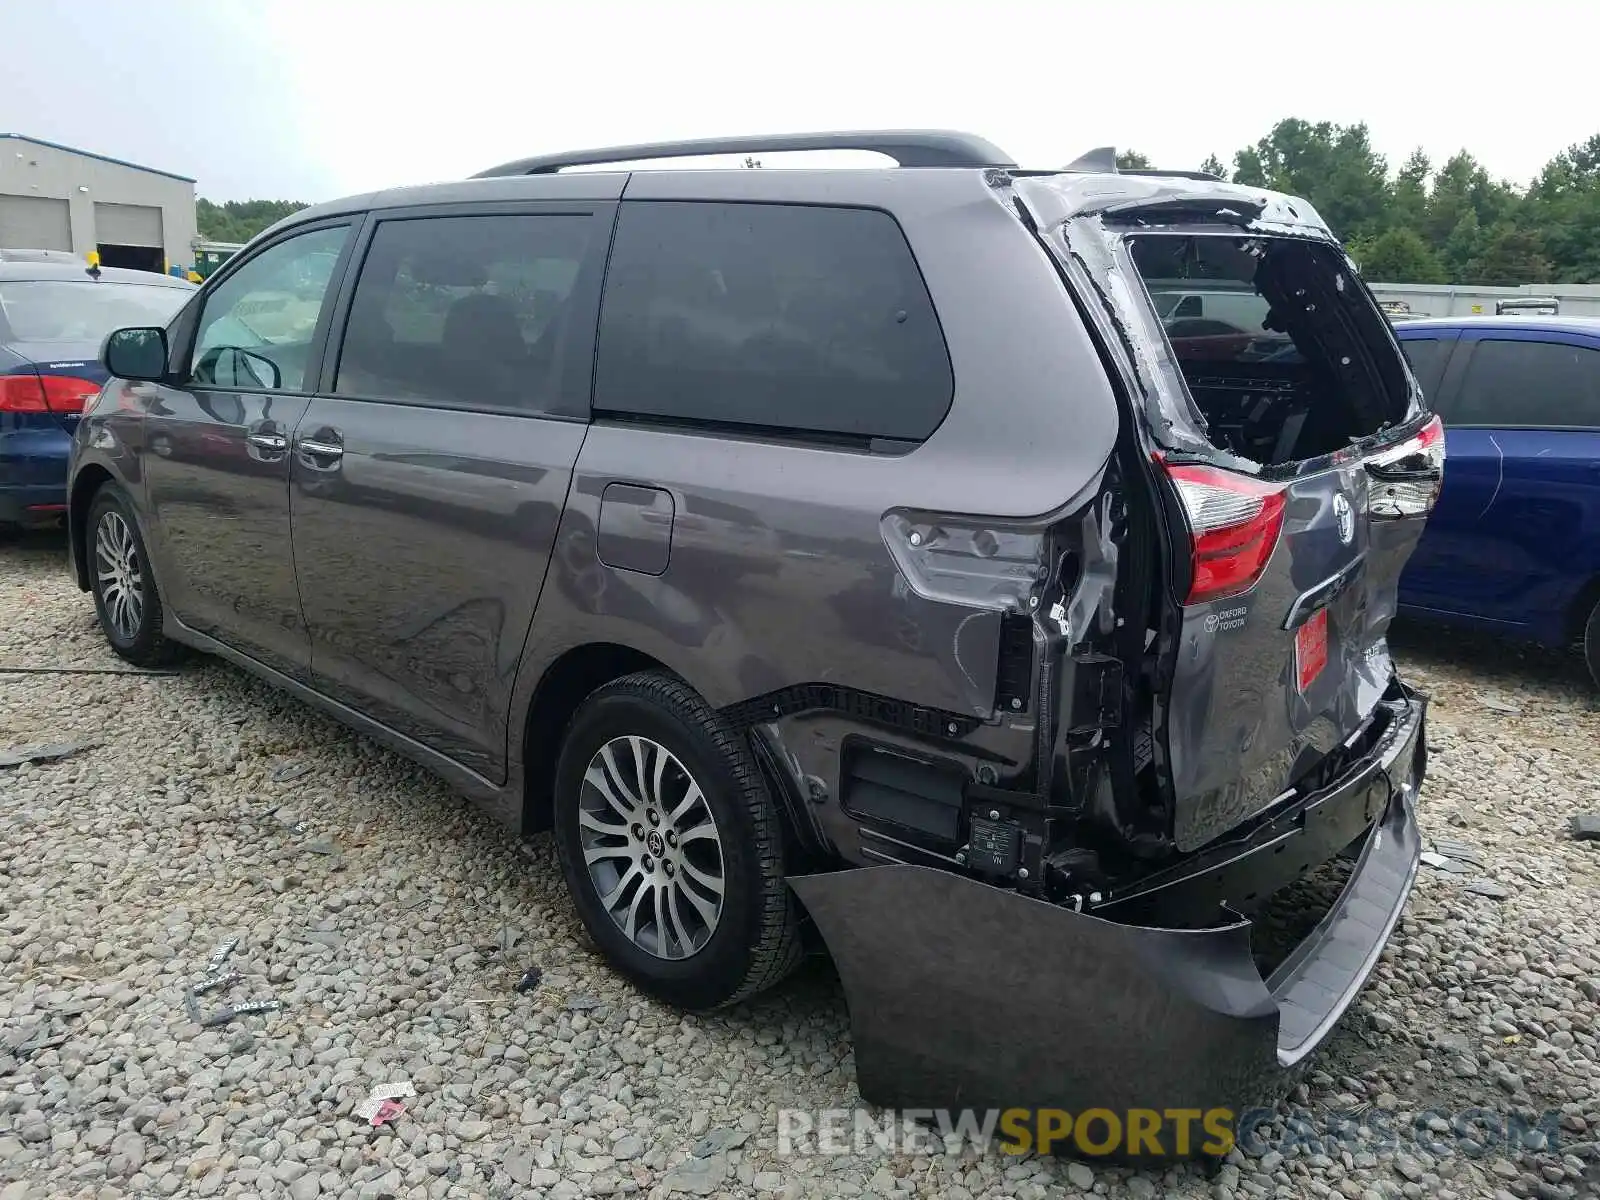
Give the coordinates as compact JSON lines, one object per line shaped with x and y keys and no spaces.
{"x":267,"y":441}
{"x":321,"y":449}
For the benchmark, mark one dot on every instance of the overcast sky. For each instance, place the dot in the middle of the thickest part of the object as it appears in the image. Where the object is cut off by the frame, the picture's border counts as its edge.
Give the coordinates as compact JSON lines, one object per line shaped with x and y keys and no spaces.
{"x":281,"y":99}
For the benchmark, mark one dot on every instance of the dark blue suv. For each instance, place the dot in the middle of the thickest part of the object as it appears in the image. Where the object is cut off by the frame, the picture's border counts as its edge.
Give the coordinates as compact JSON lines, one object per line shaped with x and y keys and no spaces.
{"x":1514,"y":544}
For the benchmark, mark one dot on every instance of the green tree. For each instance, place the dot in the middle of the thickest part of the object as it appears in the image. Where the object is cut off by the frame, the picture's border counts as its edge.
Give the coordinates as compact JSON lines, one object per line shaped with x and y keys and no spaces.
{"x":1461,"y":248}
{"x":1564,"y":206}
{"x":1463,"y":186}
{"x":1510,"y":256}
{"x":1249,"y":169}
{"x":1399,"y":255}
{"x":1333,"y":166}
{"x":1213,"y":166}
{"x":240,"y":220}
{"x":1132,"y":160}
{"x":1455,"y":223}
{"x":1408,"y":202}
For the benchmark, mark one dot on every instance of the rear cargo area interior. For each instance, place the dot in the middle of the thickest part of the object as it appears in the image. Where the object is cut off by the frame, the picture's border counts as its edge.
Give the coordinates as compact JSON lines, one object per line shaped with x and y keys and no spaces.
{"x":1285,"y":354}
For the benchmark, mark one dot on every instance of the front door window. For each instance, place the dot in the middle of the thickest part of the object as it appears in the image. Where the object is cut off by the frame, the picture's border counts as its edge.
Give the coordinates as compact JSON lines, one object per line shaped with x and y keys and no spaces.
{"x":257,"y":328}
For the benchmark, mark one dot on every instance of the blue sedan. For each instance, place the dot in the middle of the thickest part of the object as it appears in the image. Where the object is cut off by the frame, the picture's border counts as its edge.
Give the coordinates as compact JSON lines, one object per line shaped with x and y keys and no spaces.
{"x":1514,"y":544}
{"x":53,"y":317}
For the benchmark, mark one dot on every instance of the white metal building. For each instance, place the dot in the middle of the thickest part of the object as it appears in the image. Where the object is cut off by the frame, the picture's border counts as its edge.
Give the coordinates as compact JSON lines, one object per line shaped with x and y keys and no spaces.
{"x":56,"y":198}
{"x":1449,"y":300}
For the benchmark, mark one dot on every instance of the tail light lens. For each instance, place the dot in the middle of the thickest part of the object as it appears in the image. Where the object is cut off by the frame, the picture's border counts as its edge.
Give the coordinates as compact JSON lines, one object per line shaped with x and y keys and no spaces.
{"x":1405,"y":480}
{"x":1234,"y":523}
{"x":22,"y":394}
{"x":30,"y":393}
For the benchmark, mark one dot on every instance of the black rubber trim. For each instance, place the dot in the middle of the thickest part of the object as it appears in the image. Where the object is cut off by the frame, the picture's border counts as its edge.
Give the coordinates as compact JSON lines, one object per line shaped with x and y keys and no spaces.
{"x":884,"y":711}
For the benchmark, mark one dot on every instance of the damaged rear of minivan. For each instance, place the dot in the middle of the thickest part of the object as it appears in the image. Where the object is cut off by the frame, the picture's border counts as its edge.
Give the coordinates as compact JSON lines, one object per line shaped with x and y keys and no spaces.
{"x":1247,"y":726}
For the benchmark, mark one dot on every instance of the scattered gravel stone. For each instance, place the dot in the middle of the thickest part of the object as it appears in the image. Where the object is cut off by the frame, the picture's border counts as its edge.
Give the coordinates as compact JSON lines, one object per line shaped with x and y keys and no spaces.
{"x":123,"y":867}
{"x":1586,"y":827}
{"x":697,"y":1176}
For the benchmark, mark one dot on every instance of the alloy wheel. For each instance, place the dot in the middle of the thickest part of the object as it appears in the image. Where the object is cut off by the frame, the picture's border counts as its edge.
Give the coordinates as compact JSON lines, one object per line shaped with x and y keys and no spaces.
{"x":120,"y":575}
{"x":651,"y":847}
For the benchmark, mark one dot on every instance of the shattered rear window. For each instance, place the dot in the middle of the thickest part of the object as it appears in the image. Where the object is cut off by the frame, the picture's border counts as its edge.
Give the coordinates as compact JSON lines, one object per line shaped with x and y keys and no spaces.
{"x":1284,"y":353}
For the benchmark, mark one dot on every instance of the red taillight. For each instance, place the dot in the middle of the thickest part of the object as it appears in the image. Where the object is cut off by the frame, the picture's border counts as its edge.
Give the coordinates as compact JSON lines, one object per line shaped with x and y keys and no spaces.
{"x":32,"y":393}
{"x":68,"y":394}
{"x":1432,"y":433}
{"x":22,"y":394}
{"x":1234,"y":524}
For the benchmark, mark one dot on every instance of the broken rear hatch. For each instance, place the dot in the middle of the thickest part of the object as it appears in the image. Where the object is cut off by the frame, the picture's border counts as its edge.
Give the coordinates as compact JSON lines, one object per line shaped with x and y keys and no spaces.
{"x":1296,"y":460}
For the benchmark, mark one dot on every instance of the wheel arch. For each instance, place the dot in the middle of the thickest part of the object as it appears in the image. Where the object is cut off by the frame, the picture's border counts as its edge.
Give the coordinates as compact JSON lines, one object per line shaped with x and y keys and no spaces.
{"x":566,"y":683}
{"x":1583,"y":603}
{"x":85,"y":485}
{"x":577,"y":674}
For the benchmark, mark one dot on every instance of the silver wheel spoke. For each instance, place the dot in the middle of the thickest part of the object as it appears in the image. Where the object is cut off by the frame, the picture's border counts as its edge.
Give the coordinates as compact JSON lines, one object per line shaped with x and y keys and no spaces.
{"x":664,"y":940}
{"x":596,"y":777}
{"x":628,"y":876}
{"x":605,"y":853}
{"x":614,"y":774}
{"x":661,"y":769}
{"x":689,"y":801}
{"x":703,"y":832}
{"x":706,"y":908}
{"x":676,"y":913}
{"x":591,"y":820}
{"x":630,"y":924}
{"x":637,"y":745}
{"x":663,"y":902}
{"x":711,"y":883}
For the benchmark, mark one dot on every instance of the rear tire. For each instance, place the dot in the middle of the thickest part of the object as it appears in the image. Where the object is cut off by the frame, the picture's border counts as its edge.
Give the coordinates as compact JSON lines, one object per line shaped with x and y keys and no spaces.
{"x":1591,"y":644}
{"x":126,"y":599}
{"x":672,"y":846}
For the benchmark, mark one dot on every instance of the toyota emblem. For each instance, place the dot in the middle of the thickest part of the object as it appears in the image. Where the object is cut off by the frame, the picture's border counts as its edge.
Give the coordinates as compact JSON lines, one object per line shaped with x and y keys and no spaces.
{"x":1345,"y":517}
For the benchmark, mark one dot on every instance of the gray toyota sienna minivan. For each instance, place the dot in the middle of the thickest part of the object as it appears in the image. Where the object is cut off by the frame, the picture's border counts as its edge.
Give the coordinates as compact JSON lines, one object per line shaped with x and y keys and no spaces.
{"x":980,"y":572}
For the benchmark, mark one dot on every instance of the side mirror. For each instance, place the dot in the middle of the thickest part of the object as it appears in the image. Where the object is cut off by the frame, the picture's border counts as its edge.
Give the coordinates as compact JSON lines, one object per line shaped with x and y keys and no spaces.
{"x":138,"y":354}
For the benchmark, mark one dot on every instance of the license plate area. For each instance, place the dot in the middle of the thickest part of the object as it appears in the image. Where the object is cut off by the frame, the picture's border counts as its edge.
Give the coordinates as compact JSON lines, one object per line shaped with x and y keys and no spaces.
{"x":1311,"y":648}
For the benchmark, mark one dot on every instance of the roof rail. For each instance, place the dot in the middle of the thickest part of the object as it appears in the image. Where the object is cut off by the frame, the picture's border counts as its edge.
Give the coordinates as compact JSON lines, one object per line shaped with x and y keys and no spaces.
{"x":1102,"y":160}
{"x":908,"y":147}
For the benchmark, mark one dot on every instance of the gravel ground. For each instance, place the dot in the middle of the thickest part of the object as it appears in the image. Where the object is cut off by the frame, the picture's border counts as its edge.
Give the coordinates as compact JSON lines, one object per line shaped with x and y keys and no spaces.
{"x":393,"y":924}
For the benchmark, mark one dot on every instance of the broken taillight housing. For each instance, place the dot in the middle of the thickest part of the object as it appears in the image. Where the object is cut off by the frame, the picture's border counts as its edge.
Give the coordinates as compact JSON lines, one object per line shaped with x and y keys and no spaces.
{"x":1405,"y":480}
{"x":975,"y":563}
{"x":1234,"y":524}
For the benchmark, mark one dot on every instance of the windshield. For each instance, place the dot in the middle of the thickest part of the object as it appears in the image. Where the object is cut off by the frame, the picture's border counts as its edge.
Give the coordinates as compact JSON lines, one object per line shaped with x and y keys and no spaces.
{"x":63,"y":310}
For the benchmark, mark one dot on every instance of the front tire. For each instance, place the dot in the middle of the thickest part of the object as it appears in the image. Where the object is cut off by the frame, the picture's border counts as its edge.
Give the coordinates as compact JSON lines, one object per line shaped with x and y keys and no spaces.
{"x":126,"y":600}
{"x":672,"y":846}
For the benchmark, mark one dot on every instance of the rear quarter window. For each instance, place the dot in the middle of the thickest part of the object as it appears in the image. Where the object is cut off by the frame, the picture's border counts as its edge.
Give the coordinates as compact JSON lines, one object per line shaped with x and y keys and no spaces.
{"x":784,"y":318}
